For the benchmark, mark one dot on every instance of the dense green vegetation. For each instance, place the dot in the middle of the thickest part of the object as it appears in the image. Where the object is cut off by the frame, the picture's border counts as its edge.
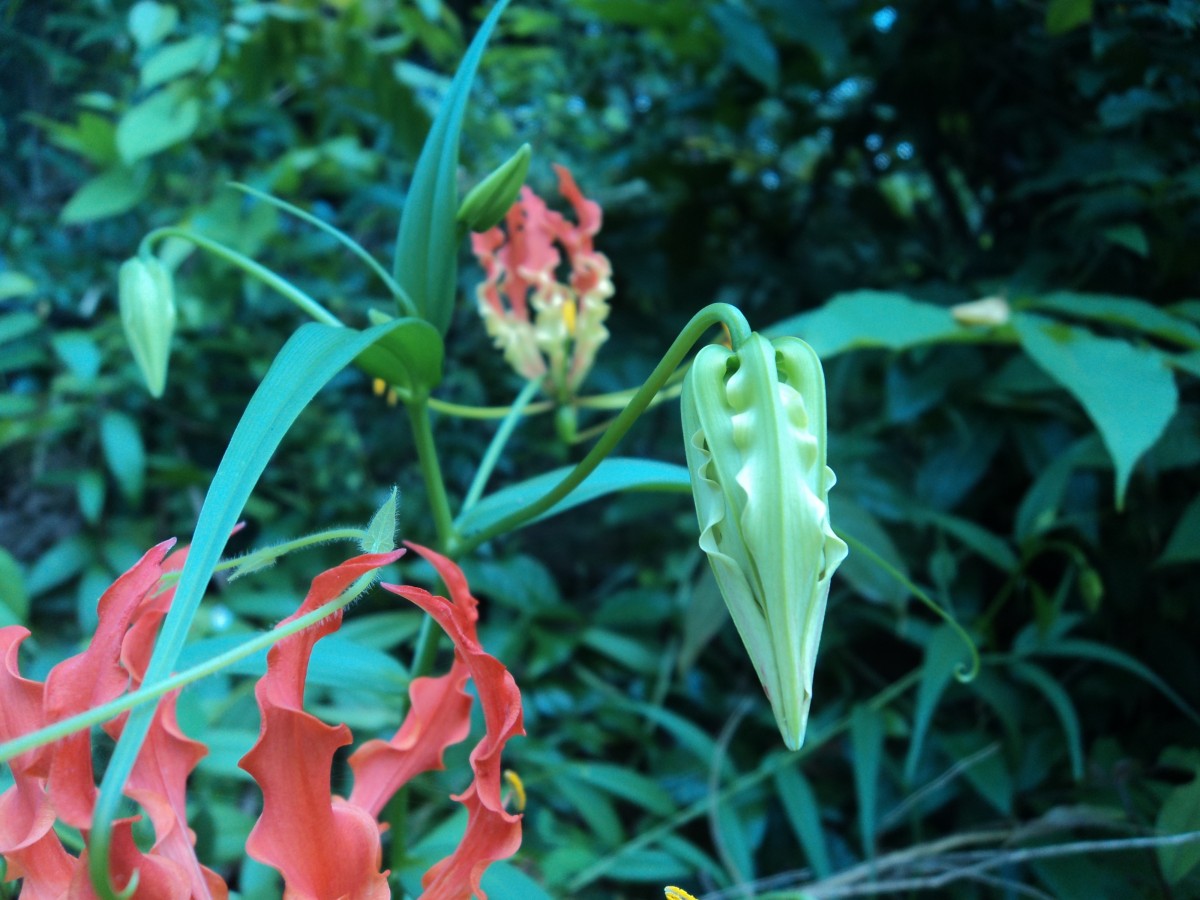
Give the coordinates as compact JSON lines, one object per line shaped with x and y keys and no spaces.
{"x":849,"y":173}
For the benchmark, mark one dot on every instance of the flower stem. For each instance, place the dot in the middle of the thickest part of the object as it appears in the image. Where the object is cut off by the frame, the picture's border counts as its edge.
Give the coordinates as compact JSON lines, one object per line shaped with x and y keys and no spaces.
{"x":713,"y":314}
{"x":250,"y":267}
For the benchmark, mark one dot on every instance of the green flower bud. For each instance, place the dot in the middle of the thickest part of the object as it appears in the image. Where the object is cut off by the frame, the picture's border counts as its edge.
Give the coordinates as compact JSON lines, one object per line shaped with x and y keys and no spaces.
{"x":146,"y":295}
{"x":486,"y":204}
{"x":754,"y":433}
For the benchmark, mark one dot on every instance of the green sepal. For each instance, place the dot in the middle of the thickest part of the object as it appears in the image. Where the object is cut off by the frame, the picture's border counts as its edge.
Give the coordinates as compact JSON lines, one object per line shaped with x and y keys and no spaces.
{"x":487,"y":203}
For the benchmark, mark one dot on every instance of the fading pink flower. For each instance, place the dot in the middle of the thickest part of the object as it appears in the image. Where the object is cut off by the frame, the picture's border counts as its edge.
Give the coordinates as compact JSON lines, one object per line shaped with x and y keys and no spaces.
{"x":558,"y":343}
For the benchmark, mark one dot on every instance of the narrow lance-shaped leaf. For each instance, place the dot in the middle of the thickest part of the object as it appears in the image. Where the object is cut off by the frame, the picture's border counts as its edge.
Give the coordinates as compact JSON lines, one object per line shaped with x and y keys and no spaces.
{"x":310,"y":358}
{"x":426,"y":252}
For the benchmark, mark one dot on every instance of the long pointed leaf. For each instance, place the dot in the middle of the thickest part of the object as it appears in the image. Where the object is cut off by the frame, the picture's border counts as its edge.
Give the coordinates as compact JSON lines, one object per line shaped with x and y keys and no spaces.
{"x":1080,"y":648}
{"x":426,"y":251}
{"x":1060,"y":700}
{"x":310,"y":358}
{"x":617,"y":473}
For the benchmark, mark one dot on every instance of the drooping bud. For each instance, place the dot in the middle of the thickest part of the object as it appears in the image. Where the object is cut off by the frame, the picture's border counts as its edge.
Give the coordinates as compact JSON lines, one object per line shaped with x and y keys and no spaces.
{"x":754,"y":433}
{"x":146,"y":296}
{"x":486,"y":204}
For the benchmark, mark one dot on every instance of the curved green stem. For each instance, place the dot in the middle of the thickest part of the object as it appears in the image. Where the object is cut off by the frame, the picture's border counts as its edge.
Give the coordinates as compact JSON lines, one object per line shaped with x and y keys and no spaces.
{"x":250,"y":267}
{"x":961,"y":673}
{"x":398,"y":293}
{"x":492,"y":455}
{"x":713,"y":314}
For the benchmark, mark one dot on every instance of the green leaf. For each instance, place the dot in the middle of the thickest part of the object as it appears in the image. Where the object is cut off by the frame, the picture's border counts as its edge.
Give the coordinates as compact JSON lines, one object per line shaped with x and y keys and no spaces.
{"x":864,"y":319}
{"x":1079,"y":648}
{"x":1039,"y":508}
{"x":703,"y":617}
{"x":108,"y":194}
{"x":410,"y":355}
{"x":988,"y":546}
{"x":627,"y":784}
{"x":172,"y":61}
{"x":866,"y":576}
{"x":1126,"y":312}
{"x":504,"y":881}
{"x":1180,"y":812}
{"x":1060,"y":700}
{"x":612,"y":475}
{"x":124,"y":453}
{"x":15,"y":284}
{"x":59,"y":564}
{"x":1184,"y":545}
{"x":79,"y":353}
{"x":734,"y":838}
{"x":381,"y":532}
{"x":162,"y":120}
{"x":595,"y":809}
{"x":804,"y":815}
{"x":1065,"y":15}
{"x":942,"y":655}
{"x":90,"y":492}
{"x":426,"y":247}
{"x":748,"y":44}
{"x":14,"y":326}
{"x":1127,"y":391}
{"x":14,"y":599}
{"x":866,"y":742}
{"x":150,"y":22}
{"x":310,"y":358}
{"x":1131,"y":237}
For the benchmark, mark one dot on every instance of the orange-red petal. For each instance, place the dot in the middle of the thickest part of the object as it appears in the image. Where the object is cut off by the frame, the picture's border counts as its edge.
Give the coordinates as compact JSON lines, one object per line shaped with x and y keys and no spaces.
{"x":323,"y":846}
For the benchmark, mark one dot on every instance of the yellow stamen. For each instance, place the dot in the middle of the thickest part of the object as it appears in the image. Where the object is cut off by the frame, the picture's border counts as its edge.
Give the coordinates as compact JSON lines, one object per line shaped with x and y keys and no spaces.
{"x":569,"y":313}
{"x":676,"y":893}
{"x":518,"y":789}
{"x":392,"y":397}
{"x":378,"y":386}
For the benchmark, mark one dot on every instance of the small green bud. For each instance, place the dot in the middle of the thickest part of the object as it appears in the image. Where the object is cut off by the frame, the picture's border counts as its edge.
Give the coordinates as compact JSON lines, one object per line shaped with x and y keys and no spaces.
{"x":146,"y":295}
{"x":1091,"y":585}
{"x":754,"y":434}
{"x":484,"y":207}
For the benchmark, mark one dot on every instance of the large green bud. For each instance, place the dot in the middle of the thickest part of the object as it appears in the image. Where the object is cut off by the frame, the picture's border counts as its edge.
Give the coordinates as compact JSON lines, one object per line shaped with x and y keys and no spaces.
{"x":146,"y":295}
{"x":754,"y":433}
{"x":486,"y":204}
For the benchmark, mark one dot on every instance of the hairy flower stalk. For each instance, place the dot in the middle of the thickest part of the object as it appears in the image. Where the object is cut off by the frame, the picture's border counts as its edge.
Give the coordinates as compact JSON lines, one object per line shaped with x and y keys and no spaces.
{"x":557,"y":343}
{"x":754,"y":434}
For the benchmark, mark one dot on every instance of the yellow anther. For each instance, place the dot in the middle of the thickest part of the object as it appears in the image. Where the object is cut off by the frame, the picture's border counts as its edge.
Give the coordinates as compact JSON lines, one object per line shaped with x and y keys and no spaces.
{"x":518,"y":790}
{"x":677,"y":893}
{"x":378,"y":386}
{"x":392,"y":397}
{"x":569,"y":314}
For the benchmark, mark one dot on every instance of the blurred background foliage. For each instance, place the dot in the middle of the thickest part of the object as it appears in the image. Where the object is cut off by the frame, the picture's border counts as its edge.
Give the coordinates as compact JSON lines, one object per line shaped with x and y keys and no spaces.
{"x":770,"y":153}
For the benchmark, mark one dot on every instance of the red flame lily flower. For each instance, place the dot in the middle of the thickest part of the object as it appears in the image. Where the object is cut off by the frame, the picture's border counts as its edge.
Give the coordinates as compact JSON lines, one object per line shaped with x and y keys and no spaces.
{"x":326,"y":847}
